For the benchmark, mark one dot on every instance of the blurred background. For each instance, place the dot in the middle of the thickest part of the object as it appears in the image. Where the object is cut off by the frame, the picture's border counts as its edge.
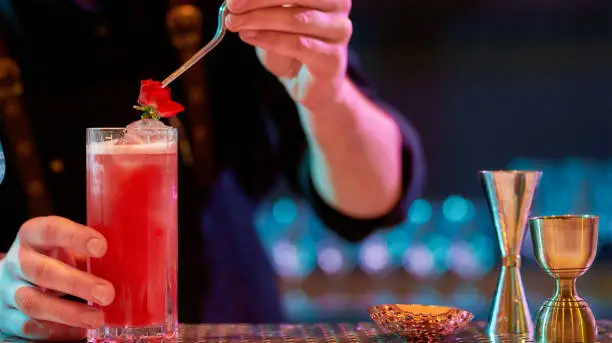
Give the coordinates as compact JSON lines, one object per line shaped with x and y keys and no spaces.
{"x":489,"y":84}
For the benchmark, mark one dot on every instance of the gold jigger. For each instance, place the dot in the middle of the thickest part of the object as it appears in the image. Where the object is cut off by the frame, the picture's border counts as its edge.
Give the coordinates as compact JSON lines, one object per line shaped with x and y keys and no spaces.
{"x":510,"y":194}
{"x":565,"y":247}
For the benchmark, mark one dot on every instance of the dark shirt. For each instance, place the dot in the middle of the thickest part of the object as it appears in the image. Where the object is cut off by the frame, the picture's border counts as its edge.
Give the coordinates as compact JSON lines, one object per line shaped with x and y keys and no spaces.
{"x":81,"y":68}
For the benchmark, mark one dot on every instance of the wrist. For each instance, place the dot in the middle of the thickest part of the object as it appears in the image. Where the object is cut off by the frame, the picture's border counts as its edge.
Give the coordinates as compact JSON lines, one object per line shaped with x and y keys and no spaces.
{"x":335,"y":118}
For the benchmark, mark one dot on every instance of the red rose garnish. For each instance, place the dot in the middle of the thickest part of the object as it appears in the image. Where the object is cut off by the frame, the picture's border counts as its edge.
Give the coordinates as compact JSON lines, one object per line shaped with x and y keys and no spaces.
{"x":155,"y":101}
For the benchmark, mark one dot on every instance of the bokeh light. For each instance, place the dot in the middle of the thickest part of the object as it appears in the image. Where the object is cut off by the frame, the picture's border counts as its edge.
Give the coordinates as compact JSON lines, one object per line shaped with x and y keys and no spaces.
{"x":419,"y":212}
{"x":334,"y":258}
{"x":330,"y":260}
{"x":284,"y":211}
{"x":457,"y":209}
{"x":293,"y":259}
{"x":419,"y":261}
{"x":463,"y":261}
{"x":374,"y":257}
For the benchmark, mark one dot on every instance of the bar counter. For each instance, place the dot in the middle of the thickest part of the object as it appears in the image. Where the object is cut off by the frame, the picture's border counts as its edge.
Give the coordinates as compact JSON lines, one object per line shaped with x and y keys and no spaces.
{"x":336,"y":333}
{"x":364,"y":332}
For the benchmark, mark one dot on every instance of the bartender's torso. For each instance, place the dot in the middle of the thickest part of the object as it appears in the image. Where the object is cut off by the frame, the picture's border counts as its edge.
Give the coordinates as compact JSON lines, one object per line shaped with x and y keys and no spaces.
{"x":81,"y":65}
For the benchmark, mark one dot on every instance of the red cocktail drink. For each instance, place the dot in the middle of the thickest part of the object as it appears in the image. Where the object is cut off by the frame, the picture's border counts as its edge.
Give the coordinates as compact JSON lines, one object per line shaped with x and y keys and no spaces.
{"x":132,"y":201}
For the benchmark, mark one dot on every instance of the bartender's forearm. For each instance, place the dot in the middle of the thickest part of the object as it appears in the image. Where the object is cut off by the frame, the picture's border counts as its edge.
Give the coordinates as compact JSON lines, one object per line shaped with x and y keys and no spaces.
{"x":356,"y":155}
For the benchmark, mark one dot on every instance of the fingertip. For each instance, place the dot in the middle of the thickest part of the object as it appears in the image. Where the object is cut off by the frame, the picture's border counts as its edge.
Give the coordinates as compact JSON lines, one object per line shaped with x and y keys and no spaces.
{"x":103,"y":294}
{"x":229,"y":22}
{"x":234,"y":5}
{"x":96,"y":247}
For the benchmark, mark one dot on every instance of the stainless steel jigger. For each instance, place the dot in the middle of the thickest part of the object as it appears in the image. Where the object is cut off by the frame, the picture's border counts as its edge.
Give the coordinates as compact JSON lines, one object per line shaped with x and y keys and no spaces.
{"x":565,"y":247}
{"x":510,"y":194}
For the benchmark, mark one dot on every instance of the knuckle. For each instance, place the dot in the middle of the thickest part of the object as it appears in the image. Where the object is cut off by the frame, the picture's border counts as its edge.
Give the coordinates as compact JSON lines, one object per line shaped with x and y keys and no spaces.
{"x":34,"y":270}
{"x":347,"y":29}
{"x":303,"y":18}
{"x":48,"y":231}
{"x":72,"y":238}
{"x":342,"y":28}
{"x":303,"y":43}
{"x":26,"y":303}
{"x":40,"y":271}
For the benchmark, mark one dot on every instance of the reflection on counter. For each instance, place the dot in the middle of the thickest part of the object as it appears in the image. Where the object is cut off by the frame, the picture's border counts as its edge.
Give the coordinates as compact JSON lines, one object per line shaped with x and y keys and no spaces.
{"x":320,"y":298}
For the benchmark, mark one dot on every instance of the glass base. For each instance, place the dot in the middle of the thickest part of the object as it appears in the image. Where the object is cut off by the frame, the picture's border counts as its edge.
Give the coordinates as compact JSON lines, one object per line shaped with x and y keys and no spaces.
{"x":157,"y":334}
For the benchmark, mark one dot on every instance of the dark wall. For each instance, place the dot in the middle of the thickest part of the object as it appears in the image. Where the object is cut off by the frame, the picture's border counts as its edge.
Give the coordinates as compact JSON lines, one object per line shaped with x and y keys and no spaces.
{"x":488,"y":81}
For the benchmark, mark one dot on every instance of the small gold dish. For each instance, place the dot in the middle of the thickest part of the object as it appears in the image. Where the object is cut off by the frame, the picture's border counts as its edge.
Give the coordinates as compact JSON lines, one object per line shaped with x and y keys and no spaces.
{"x":420,"y":322}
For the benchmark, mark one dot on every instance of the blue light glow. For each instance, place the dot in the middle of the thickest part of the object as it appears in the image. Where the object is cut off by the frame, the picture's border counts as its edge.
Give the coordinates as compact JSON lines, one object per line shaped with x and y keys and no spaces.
{"x":457,"y":209}
{"x":284,"y":211}
{"x":398,"y":241}
{"x":419,"y":212}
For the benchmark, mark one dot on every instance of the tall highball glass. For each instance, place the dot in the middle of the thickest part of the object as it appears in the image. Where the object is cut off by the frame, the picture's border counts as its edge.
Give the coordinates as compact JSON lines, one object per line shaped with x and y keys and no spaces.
{"x":132,"y":201}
